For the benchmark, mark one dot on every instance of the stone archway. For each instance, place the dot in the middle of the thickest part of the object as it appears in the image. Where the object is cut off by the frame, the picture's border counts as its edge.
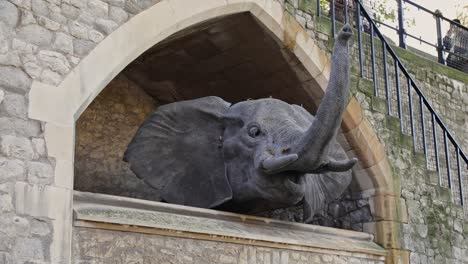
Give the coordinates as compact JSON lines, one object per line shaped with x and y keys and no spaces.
{"x":59,"y":107}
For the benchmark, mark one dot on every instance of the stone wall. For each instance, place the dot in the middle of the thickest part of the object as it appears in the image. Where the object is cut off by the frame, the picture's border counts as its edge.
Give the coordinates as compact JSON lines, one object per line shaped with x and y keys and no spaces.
{"x":103,"y":132}
{"x":43,"y":41}
{"x":94,"y":245}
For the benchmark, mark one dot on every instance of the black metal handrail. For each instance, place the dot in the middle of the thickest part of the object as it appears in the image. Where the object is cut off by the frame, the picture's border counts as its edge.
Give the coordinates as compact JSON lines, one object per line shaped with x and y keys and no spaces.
{"x":457,"y":58}
{"x":441,"y":52}
{"x":437,"y":123}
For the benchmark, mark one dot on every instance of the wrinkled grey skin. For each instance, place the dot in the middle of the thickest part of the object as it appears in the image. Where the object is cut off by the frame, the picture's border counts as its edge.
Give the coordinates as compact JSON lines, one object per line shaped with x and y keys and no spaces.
{"x":248,"y":157}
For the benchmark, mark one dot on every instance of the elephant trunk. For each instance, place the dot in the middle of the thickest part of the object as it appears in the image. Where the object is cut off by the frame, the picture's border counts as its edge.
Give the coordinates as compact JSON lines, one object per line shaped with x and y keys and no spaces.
{"x":312,"y":148}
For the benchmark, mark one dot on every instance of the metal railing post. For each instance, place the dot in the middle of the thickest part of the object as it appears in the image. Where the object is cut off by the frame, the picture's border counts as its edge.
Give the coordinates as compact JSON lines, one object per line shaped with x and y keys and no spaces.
{"x":440,"y":48}
{"x":401,"y":25}
{"x":345,"y":9}
{"x":332,"y":11}
{"x":359,"y":26}
{"x":318,"y":8}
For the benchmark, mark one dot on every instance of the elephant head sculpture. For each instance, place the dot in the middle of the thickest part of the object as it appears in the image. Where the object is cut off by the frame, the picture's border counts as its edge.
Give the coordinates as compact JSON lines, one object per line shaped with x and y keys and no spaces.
{"x":251,"y":156}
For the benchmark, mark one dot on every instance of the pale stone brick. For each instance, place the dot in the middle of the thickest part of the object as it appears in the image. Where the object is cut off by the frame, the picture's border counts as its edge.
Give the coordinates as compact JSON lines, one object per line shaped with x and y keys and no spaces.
{"x":48,"y":23}
{"x":118,"y":14}
{"x":6,"y":204}
{"x":40,"y":227}
{"x":39,"y":7}
{"x":27,"y":18}
{"x":50,"y":77}
{"x":35,"y":34}
{"x":95,"y":36}
{"x":106,"y":26}
{"x":63,"y":43}
{"x":98,"y":8}
{"x":70,"y":11}
{"x":54,"y":60}
{"x":32,"y":69}
{"x":14,"y":78}
{"x":9,"y":14}
{"x":16,"y":147}
{"x":82,"y":47}
{"x":15,"y":105}
{"x":118,"y":3}
{"x":20,"y":127}
{"x":78,"y":30}
{"x":29,"y":249}
{"x":39,"y":146}
{"x":10,"y":59}
{"x":40,"y":172}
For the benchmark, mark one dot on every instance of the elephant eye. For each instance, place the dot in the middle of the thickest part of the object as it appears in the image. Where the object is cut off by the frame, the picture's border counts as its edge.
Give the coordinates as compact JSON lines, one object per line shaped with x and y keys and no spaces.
{"x":253,"y":130}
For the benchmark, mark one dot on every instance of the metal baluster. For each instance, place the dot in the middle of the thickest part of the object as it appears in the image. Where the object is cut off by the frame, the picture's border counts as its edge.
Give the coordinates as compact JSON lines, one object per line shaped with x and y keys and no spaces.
{"x":447,"y":161}
{"x":423,"y":127}
{"x":345,"y":9}
{"x":397,"y":84}
{"x":462,"y":199}
{"x":401,"y":25}
{"x":374,"y":73}
{"x":359,"y":25}
{"x":385,"y":68}
{"x":318,"y":8}
{"x":332,"y":9}
{"x":436,"y":147}
{"x":410,"y":100}
{"x":440,"y":49}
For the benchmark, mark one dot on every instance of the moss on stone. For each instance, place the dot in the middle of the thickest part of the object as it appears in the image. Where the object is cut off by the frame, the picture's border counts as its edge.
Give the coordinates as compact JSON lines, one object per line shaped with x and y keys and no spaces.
{"x":419,"y":62}
{"x":308,"y":6}
{"x":379,"y":105}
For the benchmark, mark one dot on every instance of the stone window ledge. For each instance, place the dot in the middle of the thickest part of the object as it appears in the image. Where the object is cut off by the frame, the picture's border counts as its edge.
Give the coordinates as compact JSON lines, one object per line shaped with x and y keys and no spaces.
{"x":109,"y":212}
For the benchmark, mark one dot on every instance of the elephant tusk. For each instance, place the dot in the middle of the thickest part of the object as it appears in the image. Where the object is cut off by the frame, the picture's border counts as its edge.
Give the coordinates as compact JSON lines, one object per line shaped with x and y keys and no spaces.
{"x":275,"y":164}
{"x":337,"y":165}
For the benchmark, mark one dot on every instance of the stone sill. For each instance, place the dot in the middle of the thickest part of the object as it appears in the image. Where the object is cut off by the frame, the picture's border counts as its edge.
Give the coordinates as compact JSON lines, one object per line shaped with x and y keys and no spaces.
{"x":102,"y":211}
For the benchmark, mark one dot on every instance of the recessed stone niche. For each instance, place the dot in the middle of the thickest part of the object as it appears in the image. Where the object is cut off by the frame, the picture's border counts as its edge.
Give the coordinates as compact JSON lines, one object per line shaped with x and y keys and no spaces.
{"x":233,"y":57}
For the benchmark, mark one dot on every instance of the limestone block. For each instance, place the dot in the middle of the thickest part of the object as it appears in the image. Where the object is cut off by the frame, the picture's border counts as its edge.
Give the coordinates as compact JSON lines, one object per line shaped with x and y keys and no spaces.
{"x":14,"y":78}
{"x":95,"y":36}
{"x":14,"y":105}
{"x":36,"y":35}
{"x":10,"y":59}
{"x":82,"y":47}
{"x":6,"y":204}
{"x":23,"y":47}
{"x":29,"y":249}
{"x":50,"y":77}
{"x":70,"y":12}
{"x":54,"y":60}
{"x":9,"y":14}
{"x":16,"y":147}
{"x":118,"y":14}
{"x":48,"y":23}
{"x":42,"y":201}
{"x":136,"y":6}
{"x":78,"y":30}
{"x":63,"y":43}
{"x":20,"y":127}
{"x":40,"y":172}
{"x":106,"y":26}
{"x":119,"y":3}
{"x":40,"y":227}
{"x":11,"y":170}
{"x":98,"y":8}
{"x":39,"y":146}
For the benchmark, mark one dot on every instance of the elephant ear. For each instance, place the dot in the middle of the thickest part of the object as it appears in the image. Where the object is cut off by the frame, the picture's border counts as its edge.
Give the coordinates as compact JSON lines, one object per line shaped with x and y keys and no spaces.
{"x":177,"y":150}
{"x":321,"y":189}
